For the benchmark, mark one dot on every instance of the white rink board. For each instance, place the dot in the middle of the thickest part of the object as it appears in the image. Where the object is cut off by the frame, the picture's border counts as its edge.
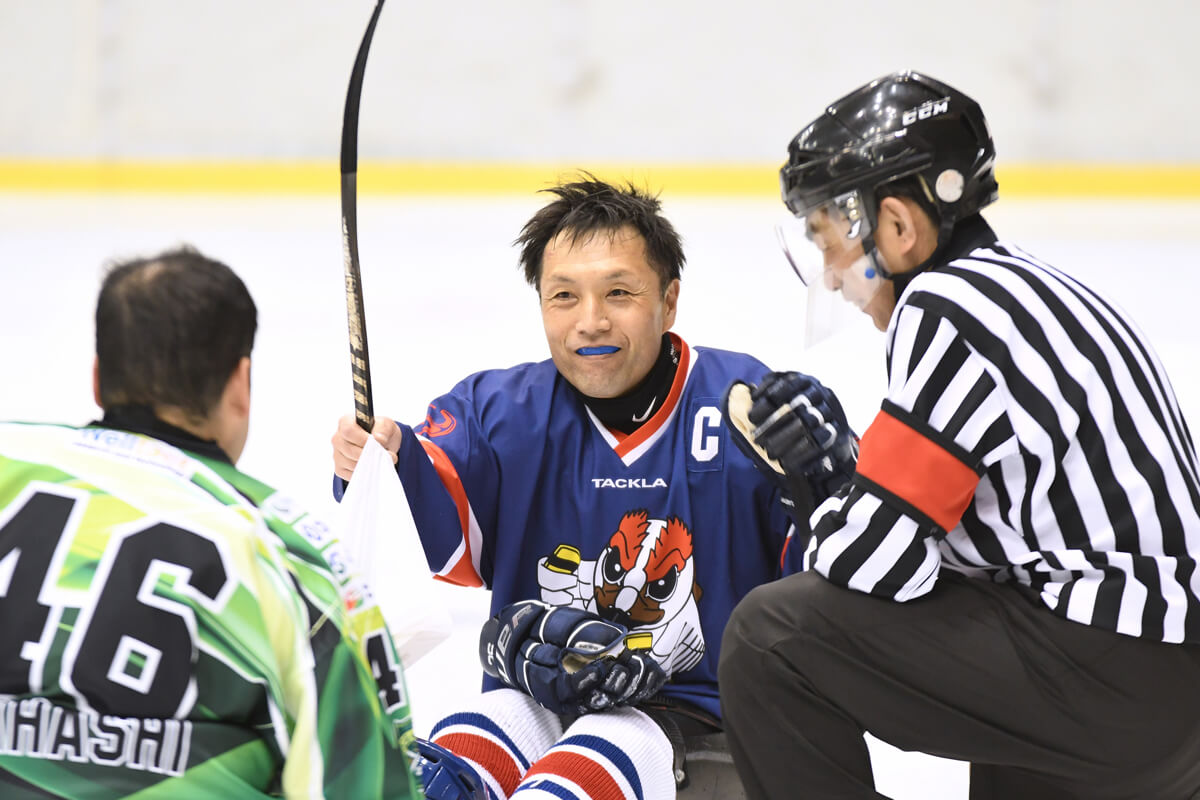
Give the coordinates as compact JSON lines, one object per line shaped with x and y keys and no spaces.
{"x":444,"y":298}
{"x":1093,"y":81}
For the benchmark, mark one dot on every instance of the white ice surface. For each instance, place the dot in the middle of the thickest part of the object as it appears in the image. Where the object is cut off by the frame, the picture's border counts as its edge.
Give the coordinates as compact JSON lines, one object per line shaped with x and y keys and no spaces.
{"x":444,"y":298}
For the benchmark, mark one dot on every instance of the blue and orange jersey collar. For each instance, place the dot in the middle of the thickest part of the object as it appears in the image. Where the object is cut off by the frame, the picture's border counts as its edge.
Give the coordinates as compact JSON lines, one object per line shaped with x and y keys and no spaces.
{"x":629,"y":447}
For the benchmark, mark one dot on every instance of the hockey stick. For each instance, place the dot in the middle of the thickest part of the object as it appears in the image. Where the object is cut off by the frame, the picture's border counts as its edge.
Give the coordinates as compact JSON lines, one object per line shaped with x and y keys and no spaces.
{"x":360,"y":363}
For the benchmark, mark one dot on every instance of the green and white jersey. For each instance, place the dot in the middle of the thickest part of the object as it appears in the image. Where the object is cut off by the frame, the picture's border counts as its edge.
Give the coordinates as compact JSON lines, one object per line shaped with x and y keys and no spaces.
{"x":170,"y":627}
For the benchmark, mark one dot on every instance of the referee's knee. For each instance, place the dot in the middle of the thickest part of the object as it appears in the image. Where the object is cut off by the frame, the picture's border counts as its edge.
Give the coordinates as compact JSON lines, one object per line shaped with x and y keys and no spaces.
{"x":786,"y":609}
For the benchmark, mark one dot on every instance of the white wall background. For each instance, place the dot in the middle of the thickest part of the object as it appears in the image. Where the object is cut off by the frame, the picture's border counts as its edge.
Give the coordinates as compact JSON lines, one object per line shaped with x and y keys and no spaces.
{"x":572,"y":80}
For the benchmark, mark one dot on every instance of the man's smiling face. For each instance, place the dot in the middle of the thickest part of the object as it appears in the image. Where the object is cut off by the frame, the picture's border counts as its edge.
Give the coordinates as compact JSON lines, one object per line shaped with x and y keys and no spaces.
{"x":604,"y":310}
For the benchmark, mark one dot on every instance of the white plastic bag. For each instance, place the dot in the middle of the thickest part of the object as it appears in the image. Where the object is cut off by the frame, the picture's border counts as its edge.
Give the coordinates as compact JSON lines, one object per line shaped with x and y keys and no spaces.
{"x":381,"y":540}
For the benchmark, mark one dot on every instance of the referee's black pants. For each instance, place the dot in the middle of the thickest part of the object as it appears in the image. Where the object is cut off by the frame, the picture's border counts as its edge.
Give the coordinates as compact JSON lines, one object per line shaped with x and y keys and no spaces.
{"x":974,"y":671}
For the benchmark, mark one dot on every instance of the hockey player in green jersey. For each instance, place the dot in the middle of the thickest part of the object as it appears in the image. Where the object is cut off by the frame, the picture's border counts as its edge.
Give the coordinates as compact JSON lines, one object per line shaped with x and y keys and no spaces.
{"x":170,"y":627}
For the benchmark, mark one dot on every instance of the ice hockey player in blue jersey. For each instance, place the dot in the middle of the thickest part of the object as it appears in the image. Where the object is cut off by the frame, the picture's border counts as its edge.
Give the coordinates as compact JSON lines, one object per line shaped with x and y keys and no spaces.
{"x":597,"y":496}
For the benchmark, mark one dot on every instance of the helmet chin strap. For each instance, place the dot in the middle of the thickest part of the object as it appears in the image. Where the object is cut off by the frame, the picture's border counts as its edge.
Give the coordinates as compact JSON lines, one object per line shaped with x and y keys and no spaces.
{"x":872,"y":253}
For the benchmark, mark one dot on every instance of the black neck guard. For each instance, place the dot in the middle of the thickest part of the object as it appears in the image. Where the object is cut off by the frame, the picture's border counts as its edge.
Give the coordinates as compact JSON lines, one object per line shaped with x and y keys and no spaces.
{"x":627,"y":412}
{"x":969,"y":234}
{"x":141,"y":419}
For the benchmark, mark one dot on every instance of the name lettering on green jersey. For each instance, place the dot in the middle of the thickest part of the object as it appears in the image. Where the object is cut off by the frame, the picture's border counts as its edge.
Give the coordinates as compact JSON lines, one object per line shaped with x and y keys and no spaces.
{"x":37,"y":728}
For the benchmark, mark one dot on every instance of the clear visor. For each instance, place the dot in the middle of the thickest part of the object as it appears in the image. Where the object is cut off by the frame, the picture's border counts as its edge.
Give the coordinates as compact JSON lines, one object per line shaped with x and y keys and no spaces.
{"x":829,"y":246}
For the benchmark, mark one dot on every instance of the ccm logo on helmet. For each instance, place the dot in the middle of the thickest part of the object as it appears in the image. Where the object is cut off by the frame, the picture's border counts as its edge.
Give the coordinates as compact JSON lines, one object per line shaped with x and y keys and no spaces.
{"x":930,"y":108}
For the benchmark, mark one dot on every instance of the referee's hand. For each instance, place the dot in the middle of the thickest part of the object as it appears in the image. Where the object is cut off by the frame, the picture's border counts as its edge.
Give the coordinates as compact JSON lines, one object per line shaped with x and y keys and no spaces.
{"x":349,"y":439}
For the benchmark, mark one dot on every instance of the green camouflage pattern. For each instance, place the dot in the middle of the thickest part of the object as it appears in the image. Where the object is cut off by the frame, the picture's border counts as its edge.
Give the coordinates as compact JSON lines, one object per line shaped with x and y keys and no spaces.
{"x":171,"y":627}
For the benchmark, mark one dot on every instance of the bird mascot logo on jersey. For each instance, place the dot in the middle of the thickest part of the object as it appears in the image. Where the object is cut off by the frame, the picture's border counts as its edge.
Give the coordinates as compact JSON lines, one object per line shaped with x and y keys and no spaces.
{"x":644,"y":579}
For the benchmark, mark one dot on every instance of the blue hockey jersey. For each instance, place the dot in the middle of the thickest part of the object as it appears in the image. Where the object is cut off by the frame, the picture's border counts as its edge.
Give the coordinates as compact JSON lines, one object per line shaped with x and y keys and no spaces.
{"x":515,"y":485}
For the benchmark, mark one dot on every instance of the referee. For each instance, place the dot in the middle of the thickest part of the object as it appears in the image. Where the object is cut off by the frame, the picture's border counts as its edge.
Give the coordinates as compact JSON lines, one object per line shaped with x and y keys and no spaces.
{"x":1010,"y":577}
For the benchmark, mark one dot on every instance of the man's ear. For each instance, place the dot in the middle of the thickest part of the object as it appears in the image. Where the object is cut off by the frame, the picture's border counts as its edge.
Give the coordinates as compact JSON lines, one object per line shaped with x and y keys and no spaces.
{"x":237,"y":389}
{"x":96,"y":381}
{"x":898,"y":217}
{"x":229,"y":422}
{"x":670,"y":304}
{"x":896,"y":221}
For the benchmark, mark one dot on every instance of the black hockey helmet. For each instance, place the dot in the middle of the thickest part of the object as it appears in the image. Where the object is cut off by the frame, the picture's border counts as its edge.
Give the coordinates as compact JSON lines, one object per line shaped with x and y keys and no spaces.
{"x":905,"y":124}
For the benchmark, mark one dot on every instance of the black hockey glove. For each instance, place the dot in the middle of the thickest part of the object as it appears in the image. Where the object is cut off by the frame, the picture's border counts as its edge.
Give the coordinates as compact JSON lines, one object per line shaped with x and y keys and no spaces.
{"x":794,"y":430}
{"x":568,"y":660}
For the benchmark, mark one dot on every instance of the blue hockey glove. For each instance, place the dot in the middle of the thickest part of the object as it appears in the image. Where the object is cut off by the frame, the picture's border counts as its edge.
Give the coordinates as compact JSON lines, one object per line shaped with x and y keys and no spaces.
{"x":445,"y":776}
{"x":568,"y":660}
{"x":793,"y":428}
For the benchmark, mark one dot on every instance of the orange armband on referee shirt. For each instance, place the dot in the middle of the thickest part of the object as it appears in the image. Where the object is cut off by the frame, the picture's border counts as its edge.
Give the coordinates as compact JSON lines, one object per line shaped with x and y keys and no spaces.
{"x":916,"y":469}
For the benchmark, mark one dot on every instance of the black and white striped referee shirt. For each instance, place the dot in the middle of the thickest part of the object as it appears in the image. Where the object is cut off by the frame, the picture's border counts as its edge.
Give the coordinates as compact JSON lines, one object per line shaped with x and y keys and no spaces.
{"x":1029,"y":434}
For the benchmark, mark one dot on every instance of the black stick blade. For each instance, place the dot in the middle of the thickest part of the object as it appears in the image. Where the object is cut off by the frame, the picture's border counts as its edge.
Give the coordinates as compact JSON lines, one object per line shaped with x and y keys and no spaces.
{"x":360,"y":362}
